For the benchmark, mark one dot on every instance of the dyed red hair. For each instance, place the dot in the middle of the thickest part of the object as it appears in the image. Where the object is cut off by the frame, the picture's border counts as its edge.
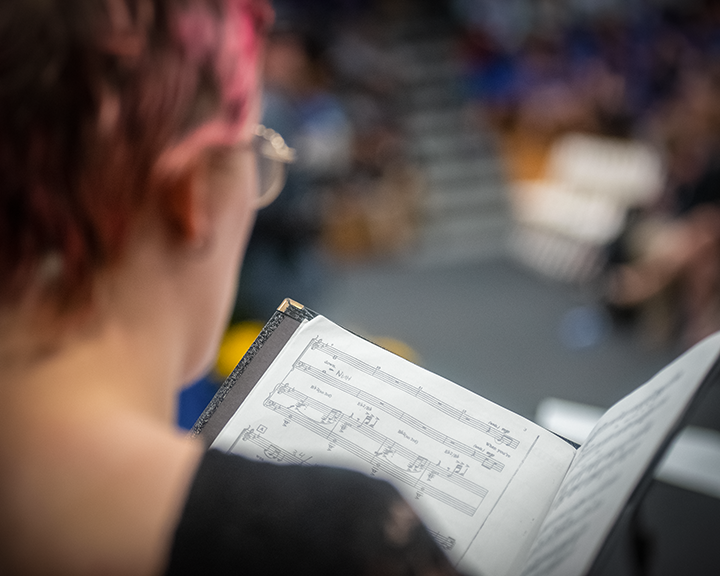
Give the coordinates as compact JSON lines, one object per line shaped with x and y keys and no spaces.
{"x":104,"y":105}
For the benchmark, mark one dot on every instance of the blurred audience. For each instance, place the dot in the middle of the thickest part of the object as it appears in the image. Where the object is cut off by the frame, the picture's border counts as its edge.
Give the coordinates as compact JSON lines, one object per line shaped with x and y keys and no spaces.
{"x":668,"y":259}
{"x":535,"y":70}
{"x":331,"y":88}
{"x":282,"y":259}
{"x":644,"y":70}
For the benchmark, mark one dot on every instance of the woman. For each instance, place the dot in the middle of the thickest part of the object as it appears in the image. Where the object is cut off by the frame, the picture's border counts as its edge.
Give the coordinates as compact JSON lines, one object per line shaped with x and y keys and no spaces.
{"x":128,"y":186}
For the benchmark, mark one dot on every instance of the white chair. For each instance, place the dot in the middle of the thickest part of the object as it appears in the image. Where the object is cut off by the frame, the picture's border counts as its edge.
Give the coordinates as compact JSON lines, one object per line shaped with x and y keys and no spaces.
{"x":563,"y":221}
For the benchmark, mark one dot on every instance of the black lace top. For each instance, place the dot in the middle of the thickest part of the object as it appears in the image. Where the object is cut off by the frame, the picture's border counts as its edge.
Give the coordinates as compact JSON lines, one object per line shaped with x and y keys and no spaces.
{"x":246,"y":517}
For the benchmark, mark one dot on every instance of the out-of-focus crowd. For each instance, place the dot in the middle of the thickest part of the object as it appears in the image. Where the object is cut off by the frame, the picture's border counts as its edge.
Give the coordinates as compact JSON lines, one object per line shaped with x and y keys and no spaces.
{"x":331,"y":89}
{"x":535,"y":70}
{"x":635,"y":70}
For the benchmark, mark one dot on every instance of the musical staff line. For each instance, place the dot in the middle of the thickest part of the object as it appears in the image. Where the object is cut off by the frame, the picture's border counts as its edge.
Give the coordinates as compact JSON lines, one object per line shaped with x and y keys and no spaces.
{"x":332,"y":426}
{"x":335,"y":417}
{"x":271,"y":451}
{"x":487,"y":461}
{"x":416,"y":391}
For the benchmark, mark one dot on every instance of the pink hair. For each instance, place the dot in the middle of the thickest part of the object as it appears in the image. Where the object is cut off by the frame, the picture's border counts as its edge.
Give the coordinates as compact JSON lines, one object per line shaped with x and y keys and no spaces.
{"x":196,"y":33}
{"x":132,"y":106}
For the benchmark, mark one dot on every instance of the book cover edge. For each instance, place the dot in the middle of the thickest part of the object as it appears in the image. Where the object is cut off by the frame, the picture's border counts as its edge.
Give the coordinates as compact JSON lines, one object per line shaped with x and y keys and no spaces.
{"x":288,"y":309}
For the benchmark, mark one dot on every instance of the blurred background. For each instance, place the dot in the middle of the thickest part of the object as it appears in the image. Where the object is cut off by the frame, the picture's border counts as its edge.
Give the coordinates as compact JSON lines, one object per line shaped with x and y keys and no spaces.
{"x":520,"y":195}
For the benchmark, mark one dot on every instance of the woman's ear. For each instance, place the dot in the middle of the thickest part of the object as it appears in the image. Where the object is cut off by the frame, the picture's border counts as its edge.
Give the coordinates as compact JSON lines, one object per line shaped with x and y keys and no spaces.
{"x":187,"y":206}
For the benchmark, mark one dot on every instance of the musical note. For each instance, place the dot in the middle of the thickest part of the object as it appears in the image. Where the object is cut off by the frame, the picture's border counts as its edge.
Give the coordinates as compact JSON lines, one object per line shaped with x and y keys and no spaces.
{"x":445,"y":542}
{"x":318,"y":344}
{"x":273,"y":452}
{"x":386,"y":450}
{"x":331,"y":417}
{"x":418,"y":465}
{"x":248,"y":435}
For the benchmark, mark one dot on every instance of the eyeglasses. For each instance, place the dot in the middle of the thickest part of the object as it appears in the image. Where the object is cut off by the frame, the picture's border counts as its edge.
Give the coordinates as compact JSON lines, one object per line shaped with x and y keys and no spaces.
{"x":273,"y":157}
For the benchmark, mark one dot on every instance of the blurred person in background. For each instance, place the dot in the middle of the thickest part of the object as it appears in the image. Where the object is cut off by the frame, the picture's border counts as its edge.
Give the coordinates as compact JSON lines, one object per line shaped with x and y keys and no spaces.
{"x":667,"y":262}
{"x":282,"y":257}
{"x":128,"y":187}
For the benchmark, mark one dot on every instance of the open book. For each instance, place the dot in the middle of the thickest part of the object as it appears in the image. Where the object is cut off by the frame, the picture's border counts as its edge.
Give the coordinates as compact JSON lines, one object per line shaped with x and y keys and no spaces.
{"x":501,"y":495}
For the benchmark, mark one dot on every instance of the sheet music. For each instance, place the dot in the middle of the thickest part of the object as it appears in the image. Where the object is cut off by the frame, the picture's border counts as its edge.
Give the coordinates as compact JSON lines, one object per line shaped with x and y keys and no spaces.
{"x":480,"y":476}
{"x":611,"y":462}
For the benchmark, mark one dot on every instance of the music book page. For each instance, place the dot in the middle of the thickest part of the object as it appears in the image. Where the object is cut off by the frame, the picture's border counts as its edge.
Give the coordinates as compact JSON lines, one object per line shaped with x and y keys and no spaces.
{"x":611,"y":462}
{"x":481,"y":477}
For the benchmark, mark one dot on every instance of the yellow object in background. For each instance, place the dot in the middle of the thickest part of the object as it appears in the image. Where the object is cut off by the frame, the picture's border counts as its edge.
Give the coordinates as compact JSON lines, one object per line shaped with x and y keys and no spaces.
{"x":238,"y":338}
{"x":397,"y":347}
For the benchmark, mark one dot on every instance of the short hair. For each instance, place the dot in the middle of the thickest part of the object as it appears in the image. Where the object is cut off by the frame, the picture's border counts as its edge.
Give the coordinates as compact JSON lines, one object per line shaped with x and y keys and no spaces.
{"x":104,"y":104}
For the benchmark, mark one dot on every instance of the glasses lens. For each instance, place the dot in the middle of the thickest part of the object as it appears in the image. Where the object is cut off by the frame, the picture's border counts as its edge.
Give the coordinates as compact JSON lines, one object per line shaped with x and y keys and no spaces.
{"x":271,"y":179}
{"x":273,"y":156}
